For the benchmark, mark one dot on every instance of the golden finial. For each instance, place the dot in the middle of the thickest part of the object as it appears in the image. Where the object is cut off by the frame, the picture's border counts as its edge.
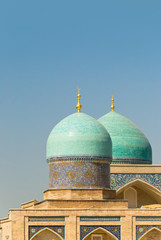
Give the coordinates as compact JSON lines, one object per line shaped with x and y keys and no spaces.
{"x":112,"y":106}
{"x":78,"y":106}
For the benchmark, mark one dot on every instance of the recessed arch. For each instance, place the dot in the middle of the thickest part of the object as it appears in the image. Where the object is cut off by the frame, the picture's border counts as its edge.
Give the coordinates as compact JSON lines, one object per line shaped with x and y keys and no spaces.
{"x":48,"y":232}
{"x":139,"y":181}
{"x":153,"y":195}
{"x":109,"y":235}
{"x":149,"y":232}
{"x":130,"y":194}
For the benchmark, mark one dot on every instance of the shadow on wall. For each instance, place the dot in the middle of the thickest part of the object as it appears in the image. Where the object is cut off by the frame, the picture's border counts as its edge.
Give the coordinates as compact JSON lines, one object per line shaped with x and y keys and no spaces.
{"x":139,"y":193}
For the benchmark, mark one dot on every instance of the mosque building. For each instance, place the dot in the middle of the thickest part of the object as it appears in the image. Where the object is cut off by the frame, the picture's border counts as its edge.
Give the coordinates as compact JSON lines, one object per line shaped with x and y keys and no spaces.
{"x":102,"y":185}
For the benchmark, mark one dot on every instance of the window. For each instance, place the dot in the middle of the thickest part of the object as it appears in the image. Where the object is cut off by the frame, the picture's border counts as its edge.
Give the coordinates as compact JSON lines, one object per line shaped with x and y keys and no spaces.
{"x":96,"y":237}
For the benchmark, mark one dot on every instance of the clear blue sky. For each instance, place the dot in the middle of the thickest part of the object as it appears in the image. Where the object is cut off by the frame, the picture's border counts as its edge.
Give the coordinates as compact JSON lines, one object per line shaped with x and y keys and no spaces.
{"x":47,"y":48}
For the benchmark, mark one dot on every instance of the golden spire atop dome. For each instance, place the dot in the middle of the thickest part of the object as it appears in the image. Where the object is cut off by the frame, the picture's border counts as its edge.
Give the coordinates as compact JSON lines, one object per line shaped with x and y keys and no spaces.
{"x":112,"y":106}
{"x":78,"y":106}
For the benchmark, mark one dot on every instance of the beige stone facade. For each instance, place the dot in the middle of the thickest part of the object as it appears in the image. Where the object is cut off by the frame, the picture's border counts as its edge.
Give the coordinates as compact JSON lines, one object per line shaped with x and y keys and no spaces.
{"x":91,"y":214}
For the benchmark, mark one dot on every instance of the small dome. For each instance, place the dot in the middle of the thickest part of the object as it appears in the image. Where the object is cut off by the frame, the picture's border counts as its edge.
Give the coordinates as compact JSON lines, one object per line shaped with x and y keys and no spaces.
{"x":79,"y":135}
{"x":129,"y":144}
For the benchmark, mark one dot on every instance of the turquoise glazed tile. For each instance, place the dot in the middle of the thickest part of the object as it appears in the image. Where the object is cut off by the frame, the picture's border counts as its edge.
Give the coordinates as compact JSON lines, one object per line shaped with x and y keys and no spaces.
{"x":79,"y":134}
{"x":129,"y":144}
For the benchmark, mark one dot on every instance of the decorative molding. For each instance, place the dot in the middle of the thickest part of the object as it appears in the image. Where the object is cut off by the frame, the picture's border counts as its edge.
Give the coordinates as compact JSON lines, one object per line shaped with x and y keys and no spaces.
{"x":148,"y":219}
{"x":46,"y":219}
{"x":130,"y":161}
{"x":100,"y":219}
{"x":99,"y":159}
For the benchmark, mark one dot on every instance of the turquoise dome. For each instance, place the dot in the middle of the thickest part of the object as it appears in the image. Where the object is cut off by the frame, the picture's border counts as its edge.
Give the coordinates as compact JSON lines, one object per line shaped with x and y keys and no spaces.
{"x":79,"y":135}
{"x":129,"y":144}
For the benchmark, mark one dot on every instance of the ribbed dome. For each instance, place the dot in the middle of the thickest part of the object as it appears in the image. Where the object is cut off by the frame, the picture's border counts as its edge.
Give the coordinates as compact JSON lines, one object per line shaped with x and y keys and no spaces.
{"x":129,"y":144}
{"x":79,"y":135}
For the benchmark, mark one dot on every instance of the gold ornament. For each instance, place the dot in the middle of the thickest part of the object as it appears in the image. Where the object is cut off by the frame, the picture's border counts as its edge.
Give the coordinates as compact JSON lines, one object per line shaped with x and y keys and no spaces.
{"x":78,"y":106}
{"x":112,"y":106}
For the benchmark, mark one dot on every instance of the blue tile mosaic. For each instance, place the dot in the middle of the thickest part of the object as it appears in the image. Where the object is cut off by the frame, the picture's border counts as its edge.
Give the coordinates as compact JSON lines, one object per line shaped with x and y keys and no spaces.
{"x":114,"y":229}
{"x":60,"y":230}
{"x":141,"y":229}
{"x":118,"y":179}
{"x":79,"y":174}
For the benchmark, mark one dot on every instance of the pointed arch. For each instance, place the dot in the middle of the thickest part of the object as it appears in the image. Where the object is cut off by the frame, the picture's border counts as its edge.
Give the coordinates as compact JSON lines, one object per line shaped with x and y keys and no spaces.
{"x":141,"y":182}
{"x":153,"y":195}
{"x":49,"y":232}
{"x":143,"y":237}
{"x":109,"y":234}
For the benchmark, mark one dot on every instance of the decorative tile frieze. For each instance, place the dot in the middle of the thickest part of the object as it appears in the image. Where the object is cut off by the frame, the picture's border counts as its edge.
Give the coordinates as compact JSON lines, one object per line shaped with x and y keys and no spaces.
{"x":115,"y":230}
{"x":46,"y":219}
{"x":100,"y":219}
{"x":148,"y":219}
{"x":142,"y":229}
{"x":83,"y":159}
{"x":120,"y":179}
{"x":33,"y":230}
{"x":79,"y":175}
{"x":130,"y":161}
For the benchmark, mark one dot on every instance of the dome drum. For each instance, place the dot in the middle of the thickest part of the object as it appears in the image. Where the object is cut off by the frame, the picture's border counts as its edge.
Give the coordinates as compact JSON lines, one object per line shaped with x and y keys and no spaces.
{"x":78,"y":174}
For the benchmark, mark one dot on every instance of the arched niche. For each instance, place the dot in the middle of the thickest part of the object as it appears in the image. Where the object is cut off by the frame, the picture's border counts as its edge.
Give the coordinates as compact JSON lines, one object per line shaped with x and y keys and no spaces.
{"x":101,"y":234}
{"x":146,"y":193}
{"x":152,"y":234}
{"x":130,"y":194}
{"x":46,"y":234}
